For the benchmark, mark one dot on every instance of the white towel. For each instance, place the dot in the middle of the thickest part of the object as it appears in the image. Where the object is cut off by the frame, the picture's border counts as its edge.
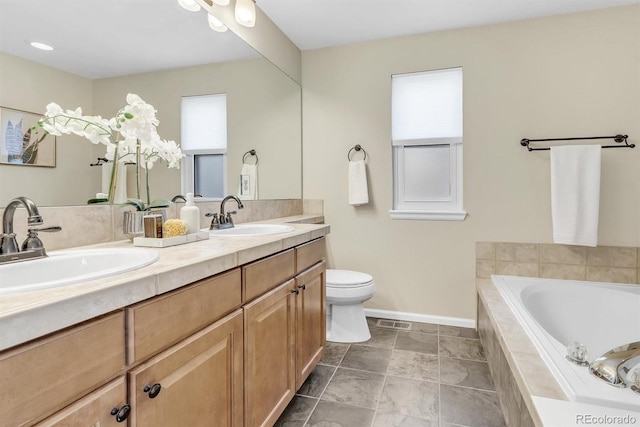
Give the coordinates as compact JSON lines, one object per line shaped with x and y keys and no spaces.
{"x":575,"y":194}
{"x":358,"y":191}
{"x":248,"y":188}
{"x":106,"y":176}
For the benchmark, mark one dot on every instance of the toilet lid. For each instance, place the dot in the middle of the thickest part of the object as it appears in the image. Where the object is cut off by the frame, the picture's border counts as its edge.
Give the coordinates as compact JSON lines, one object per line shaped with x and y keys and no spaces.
{"x":345,"y":278}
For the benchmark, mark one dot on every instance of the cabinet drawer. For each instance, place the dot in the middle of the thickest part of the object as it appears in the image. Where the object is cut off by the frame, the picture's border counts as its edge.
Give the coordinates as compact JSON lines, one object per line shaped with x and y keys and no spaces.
{"x":309,"y":254}
{"x":41,"y":377}
{"x":93,"y":409}
{"x":162,"y":321}
{"x":260,"y":276}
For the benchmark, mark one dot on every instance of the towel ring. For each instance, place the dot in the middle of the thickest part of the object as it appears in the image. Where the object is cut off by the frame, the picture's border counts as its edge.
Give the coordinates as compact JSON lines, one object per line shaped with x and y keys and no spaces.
{"x":357,"y":147}
{"x":252,"y":153}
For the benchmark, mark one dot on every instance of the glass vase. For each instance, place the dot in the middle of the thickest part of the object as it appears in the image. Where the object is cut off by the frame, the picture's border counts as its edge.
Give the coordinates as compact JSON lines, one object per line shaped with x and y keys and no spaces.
{"x":133,"y":223}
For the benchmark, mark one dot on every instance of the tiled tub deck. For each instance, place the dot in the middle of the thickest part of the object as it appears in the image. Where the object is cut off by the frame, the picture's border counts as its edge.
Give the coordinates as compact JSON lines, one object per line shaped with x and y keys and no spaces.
{"x":516,"y":367}
{"x":518,"y":371}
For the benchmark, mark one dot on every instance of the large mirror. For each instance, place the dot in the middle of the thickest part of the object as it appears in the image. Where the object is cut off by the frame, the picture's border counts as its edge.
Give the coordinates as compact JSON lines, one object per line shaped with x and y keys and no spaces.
{"x":163,"y":53}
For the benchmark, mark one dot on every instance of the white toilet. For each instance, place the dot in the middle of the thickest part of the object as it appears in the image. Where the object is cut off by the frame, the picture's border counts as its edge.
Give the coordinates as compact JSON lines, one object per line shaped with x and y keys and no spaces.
{"x":346,"y":292}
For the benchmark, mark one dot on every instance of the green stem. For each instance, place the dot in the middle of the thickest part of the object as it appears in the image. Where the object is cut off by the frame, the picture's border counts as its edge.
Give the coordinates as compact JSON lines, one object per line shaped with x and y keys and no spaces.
{"x":114,"y":176}
{"x":146,"y":176}
{"x":88,"y":123}
{"x":138,"y":171}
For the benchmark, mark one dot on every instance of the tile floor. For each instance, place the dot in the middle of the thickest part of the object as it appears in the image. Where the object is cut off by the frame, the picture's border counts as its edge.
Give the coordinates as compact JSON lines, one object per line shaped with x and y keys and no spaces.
{"x":432,"y":376}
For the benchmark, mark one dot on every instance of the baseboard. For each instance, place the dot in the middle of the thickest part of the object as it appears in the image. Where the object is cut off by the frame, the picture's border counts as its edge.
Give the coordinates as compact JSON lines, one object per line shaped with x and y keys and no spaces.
{"x":423,"y":318}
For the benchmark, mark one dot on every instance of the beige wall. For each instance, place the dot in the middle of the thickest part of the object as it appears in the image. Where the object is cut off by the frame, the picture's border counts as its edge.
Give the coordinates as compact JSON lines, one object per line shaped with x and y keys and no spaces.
{"x":27,"y":86}
{"x":569,"y":75}
{"x":263,"y":113}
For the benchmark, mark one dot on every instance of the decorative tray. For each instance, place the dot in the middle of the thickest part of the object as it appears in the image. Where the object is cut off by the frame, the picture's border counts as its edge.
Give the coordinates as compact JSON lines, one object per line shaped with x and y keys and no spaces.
{"x":170,"y":241}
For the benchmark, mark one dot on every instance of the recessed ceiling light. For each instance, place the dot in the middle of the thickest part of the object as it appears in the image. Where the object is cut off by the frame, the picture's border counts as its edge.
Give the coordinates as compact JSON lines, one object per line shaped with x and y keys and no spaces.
{"x":42,"y":46}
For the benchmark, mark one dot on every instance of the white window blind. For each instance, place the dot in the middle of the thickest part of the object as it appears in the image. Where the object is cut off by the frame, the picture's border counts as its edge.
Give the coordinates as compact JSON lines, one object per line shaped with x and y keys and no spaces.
{"x":426,"y":122}
{"x":204,"y":141}
{"x":427,"y":107}
{"x":204,"y":122}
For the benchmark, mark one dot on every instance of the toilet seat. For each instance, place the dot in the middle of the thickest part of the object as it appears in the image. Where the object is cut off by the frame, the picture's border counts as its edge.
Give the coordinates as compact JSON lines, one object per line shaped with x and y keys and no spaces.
{"x":348,"y":279}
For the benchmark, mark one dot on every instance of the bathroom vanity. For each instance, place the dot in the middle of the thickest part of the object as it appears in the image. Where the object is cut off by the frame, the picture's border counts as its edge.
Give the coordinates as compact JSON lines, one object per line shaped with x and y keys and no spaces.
{"x":232,"y":330}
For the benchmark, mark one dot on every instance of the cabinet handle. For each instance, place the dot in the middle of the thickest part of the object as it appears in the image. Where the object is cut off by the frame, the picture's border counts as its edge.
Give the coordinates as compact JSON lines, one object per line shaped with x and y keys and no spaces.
{"x":295,"y":291}
{"x":303,"y":287}
{"x":153,"y":390}
{"x":121,"y":414}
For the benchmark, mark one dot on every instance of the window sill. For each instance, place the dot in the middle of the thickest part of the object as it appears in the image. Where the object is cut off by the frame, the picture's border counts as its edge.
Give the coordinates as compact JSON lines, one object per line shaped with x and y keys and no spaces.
{"x":429,"y":215}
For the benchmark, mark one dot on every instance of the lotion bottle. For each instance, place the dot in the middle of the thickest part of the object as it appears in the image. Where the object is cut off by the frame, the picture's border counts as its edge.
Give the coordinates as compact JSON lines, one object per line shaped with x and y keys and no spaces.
{"x":191,"y":215}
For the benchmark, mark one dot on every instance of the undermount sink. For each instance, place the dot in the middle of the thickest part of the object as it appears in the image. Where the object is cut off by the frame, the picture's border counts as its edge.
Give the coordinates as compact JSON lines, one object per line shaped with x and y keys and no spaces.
{"x":68,"y":267}
{"x":249,"y":230}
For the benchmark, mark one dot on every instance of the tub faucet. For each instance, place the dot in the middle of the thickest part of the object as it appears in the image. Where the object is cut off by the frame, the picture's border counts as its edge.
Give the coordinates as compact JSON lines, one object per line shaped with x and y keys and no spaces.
{"x":32,"y":246}
{"x":614,"y":365}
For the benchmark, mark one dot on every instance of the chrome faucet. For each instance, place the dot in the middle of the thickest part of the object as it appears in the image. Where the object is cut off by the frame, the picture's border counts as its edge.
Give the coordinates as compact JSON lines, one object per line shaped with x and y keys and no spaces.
{"x":223,"y":220}
{"x":614,"y":365}
{"x":32,"y":246}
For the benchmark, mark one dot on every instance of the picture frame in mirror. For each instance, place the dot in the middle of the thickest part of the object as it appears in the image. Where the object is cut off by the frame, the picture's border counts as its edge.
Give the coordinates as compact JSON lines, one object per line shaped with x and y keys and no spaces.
{"x":20,"y":145}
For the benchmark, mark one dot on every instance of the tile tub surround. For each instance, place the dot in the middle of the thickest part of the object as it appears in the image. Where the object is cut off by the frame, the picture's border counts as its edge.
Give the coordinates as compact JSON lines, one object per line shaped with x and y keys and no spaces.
{"x":93,"y":224}
{"x":600,"y":264}
{"x":431,"y":376}
{"x":517,"y":367}
{"x":28,"y":315}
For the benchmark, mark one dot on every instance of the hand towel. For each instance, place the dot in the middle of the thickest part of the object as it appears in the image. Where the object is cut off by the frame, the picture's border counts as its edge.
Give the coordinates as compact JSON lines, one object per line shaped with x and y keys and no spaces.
{"x":248,"y":188}
{"x":575,"y":194}
{"x":106,"y":176}
{"x":358,"y":190}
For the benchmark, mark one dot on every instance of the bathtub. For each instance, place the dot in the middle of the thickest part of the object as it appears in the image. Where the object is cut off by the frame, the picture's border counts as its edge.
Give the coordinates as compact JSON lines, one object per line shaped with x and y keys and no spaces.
{"x":555,"y":313}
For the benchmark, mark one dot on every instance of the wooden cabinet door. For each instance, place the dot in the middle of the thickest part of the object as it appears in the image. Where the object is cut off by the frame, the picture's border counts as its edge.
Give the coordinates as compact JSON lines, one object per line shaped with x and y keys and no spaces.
{"x":200,"y":380}
{"x":94,"y":409}
{"x":311,"y":328}
{"x":269,"y":355}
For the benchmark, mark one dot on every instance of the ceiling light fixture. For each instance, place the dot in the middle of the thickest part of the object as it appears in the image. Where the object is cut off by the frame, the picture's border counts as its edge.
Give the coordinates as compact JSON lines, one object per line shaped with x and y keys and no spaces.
{"x":221,"y":2}
{"x":189,"y":5}
{"x":41,"y":46}
{"x":246,"y":12}
{"x":215,"y":24}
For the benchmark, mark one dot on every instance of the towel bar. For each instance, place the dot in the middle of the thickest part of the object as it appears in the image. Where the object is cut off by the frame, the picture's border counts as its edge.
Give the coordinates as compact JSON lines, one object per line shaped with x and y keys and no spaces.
{"x":617,"y":138}
{"x":101,"y":161}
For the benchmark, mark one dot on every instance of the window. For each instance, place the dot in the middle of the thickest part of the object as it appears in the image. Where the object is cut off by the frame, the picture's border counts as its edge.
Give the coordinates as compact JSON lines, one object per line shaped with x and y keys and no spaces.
{"x":204,"y":141}
{"x":426,"y":127}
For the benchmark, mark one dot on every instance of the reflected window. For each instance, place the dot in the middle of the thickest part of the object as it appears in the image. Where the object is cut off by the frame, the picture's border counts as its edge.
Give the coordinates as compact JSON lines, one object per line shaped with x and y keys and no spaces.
{"x":204,"y":141}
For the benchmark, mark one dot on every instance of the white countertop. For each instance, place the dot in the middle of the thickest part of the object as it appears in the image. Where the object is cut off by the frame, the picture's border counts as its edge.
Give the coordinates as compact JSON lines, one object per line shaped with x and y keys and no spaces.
{"x":28,"y":315}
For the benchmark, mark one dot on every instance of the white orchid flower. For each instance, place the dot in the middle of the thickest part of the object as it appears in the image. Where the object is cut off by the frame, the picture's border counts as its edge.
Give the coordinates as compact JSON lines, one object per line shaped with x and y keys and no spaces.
{"x":131,"y":135}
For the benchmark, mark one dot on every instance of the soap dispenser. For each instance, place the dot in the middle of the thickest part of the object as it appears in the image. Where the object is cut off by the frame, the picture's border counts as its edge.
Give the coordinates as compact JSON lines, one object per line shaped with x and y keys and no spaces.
{"x":191,"y":215}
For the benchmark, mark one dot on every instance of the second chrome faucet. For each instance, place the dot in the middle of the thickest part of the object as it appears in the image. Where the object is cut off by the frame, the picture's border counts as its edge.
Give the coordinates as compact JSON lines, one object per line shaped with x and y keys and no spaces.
{"x":614,"y":365}
{"x":224,"y":220}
